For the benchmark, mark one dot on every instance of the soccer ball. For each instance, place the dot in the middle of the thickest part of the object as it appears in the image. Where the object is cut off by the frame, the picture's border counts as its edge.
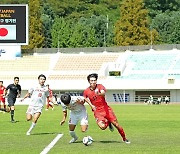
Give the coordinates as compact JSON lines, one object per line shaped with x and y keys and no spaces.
{"x":87,"y":140}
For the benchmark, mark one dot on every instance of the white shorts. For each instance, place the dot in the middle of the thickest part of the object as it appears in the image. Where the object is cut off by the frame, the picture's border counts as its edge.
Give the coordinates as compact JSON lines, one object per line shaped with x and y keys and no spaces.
{"x":32,"y":110}
{"x":80,"y":116}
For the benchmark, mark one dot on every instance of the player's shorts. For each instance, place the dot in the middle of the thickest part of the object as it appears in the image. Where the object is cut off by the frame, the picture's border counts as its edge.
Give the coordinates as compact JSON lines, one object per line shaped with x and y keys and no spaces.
{"x":78,"y":116}
{"x":104,"y":115}
{"x":2,"y":100}
{"x":32,"y":110}
{"x":11,"y":101}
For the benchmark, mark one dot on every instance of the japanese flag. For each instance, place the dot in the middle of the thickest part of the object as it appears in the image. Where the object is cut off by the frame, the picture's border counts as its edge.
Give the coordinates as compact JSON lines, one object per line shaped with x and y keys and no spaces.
{"x":7,"y":32}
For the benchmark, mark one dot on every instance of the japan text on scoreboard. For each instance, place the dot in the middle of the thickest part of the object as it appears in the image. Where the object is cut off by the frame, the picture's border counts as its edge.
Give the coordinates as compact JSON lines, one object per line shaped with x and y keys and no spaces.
{"x":14,"y":24}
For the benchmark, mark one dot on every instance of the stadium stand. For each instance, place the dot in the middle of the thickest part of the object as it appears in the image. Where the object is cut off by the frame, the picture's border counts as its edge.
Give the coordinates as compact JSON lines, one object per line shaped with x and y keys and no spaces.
{"x":91,"y":62}
{"x":27,"y":63}
{"x":150,"y":65}
{"x":141,"y":70}
{"x":151,"y":61}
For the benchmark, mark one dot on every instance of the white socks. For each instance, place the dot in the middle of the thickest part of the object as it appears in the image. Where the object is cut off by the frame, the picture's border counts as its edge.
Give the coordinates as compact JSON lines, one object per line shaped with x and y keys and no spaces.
{"x":32,"y":126}
{"x":73,"y":134}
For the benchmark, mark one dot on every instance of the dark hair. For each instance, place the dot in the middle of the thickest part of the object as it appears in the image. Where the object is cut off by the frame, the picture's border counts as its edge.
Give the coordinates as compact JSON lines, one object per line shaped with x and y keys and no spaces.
{"x":42,"y":75}
{"x":93,"y":75}
{"x":16,"y":78}
{"x":66,"y":98}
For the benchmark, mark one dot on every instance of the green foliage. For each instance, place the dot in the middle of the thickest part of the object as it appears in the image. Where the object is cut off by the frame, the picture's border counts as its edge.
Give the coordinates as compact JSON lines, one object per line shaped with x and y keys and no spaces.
{"x":156,"y":7}
{"x":92,"y":12}
{"x":168,"y":27}
{"x":83,"y":36}
{"x":14,"y":2}
{"x":86,"y":32}
{"x":61,"y":32}
{"x":36,"y":38}
{"x":132,"y":27}
{"x":101,"y":26}
{"x":87,"y":20}
{"x":48,"y":17}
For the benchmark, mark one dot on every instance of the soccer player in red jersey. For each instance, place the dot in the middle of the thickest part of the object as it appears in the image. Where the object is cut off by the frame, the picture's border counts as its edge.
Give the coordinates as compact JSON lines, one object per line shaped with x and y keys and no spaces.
{"x":49,"y":100}
{"x":102,"y":112}
{"x":2,"y":95}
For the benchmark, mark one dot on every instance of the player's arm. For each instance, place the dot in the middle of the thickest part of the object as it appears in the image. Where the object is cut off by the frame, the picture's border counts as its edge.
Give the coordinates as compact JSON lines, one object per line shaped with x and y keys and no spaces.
{"x":19,"y":93}
{"x":26,"y":96}
{"x":80,"y":100}
{"x":90,"y":104}
{"x":100,"y":92}
{"x":52,"y":101}
{"x":64,"y":117}
{"x":5,"y":92}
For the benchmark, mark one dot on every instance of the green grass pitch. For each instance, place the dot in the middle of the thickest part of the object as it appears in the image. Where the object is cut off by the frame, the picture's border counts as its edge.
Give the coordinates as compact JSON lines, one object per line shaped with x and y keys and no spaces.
{"x":152,"y":129}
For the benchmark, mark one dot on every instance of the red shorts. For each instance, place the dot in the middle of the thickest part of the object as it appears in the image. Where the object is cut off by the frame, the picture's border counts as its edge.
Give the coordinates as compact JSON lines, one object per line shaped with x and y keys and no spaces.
{"x":2,"y":100}
{"x":104,"y":115}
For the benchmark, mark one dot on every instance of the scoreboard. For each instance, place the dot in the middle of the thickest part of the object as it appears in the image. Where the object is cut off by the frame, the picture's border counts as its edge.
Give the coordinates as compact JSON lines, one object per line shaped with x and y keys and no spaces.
{"x":14,"y":24}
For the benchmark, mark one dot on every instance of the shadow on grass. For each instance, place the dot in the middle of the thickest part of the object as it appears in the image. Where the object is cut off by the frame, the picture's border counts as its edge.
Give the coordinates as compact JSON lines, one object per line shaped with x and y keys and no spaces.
{"x":104,"y":142}
{"x":109,"y":141}
{"x":47,"y":133}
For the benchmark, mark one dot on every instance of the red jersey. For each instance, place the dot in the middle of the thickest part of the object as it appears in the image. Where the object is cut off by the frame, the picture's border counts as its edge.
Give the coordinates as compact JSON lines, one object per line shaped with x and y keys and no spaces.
{"x":50,"y":95}
{"x":2,"y":88}
{"x":98,"y":101}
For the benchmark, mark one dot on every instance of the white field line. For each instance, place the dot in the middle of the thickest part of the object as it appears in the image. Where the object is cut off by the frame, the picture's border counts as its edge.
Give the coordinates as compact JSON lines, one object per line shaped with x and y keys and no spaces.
{"x":46,"y":149}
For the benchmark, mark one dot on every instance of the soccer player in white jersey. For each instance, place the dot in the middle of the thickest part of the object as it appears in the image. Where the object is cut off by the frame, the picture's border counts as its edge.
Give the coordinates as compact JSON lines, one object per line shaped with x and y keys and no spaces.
{"x":77,"y":113}
{"x":38,"y":95}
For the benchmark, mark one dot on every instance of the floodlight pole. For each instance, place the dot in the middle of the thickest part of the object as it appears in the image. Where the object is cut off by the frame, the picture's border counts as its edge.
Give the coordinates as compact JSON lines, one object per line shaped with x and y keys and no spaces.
{"x":151,"y":40}
{"x":107,"y":25}
{"x":104,"y":40}
{"x":58,"y":41}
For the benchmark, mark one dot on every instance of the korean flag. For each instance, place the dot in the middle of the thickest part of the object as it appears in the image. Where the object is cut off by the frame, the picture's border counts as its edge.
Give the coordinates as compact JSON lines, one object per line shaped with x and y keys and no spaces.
{"x":7,"y":32}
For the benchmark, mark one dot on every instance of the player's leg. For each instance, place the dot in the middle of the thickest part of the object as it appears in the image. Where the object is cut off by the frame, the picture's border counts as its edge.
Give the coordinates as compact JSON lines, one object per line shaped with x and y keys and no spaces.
{"x":34,"y":121}
{"x":47,"y":105}
{"x":112,"y":118}
{"x":29,"y":113}
{"x":11,"y":103}
{"x":72,"y":133}
{"x":72,"y":125}
{"x":0,"y":107}
{"x":4,"y":104}
{"x":83,"y":118}
{"x":120,"y":130}
{"x":36,"y":112}
{"x":28,"y":117}
{"x":12,"y":109}
{"x":101,"y":121}
{"x":51,"y":105}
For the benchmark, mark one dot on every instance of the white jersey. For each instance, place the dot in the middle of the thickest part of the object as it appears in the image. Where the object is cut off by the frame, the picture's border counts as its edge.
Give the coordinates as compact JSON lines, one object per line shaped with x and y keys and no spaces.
{"x":73,"y":106}
{"x":77,"y":111}
{"x":38,"y":96}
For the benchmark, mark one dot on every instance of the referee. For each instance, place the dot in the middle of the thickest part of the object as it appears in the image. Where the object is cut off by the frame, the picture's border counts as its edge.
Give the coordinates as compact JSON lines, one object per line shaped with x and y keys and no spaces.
{"x":14,"y":91}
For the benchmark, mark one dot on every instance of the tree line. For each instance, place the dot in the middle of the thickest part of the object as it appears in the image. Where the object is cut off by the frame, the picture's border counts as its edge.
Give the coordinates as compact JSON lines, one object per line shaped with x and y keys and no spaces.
{"x":98,"y":23}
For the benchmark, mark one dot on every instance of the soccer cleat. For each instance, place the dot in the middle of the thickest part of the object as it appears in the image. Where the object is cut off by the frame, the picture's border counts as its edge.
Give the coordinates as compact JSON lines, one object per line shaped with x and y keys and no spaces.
{"x":52,"y":108}
{"x":73,"y":140}
{"x":126,"y":141}
{"x":28,"y":133}
{"x":13,"y":121}
{"x":111,"y":128}
{"x":46,"y":109}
